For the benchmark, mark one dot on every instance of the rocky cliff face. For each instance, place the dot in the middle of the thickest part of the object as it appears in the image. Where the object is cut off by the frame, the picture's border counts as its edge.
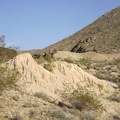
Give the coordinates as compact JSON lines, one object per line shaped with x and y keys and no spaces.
{"x":101,"y":36}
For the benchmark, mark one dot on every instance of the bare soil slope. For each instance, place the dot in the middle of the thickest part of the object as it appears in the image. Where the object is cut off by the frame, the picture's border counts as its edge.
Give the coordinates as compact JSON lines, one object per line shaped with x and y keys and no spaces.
{"x":37,"y":93}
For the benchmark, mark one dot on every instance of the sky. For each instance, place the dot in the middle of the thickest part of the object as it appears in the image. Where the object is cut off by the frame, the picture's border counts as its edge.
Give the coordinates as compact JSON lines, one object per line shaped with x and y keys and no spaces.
{"x":36,"y":24}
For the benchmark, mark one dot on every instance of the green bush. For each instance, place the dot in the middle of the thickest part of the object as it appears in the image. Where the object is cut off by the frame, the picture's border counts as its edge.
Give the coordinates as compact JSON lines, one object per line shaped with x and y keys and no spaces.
{"x":40,"y":60}
{"x":49,"y":66}
{"x":58,"y":114}
{"x":7,"y":77}
{"x":6,"y":54}
{"x":84,"y":101}
{"x":68,"y":60}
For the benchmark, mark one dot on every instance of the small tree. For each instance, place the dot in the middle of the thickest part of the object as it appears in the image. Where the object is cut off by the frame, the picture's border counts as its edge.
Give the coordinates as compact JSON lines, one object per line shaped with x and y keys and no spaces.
{"x":2,"y":44}
{"x":14,"y":47}
{"x":2,"y":39}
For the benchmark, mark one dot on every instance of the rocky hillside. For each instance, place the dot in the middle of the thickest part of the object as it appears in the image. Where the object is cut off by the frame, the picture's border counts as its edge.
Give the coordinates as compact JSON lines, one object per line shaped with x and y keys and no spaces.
{"x":64,"y":92}
{"x":103,"y":36}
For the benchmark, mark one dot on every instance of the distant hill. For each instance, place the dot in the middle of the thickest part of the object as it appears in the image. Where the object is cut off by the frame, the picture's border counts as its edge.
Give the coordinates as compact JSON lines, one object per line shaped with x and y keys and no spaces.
{"x":103,"y":36}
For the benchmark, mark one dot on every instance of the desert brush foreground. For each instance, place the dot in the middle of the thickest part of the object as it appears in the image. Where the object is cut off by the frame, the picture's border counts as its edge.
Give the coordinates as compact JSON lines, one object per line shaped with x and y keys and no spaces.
{"x":61,"y":88}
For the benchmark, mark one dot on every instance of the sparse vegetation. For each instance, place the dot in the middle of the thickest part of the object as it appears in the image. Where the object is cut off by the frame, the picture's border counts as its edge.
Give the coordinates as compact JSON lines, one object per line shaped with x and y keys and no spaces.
{"x":115,"y":97}
{"x":57,"y":114}
{"x":81,"y":104}
{"x":28,"y":105}
{"x":84,"y":101}
{"x":2,"y":41}
{"x":86,"y":62}
{"x":49,"y":66}
{"x":68,"y":60}
{"x":6,"y":54}
{"x":40,"y":60}
{"x":8,"y":77}
{"x":42,"y":95}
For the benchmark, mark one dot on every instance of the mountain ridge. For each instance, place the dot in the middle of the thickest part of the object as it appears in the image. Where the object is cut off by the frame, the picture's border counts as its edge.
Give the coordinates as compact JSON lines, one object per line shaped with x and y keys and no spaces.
{"x":102,"y":35}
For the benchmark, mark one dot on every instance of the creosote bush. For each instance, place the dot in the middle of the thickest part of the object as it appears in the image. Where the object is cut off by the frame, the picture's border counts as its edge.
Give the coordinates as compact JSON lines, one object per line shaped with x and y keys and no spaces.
{"x":84,"y":101}
{"x":49,"y":65}
{"x":8,"y":77}
{"x":40,"y":60}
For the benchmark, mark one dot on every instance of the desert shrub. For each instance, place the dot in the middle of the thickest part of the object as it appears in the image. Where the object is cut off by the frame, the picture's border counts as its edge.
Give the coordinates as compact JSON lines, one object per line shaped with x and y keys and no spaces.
{"x":57,"y":114}
{"x":86,"y":62}
{"x":40,"y":60}
{"x":84,"y":101}
{"x":116,"y":61}
{"x":48,"y":58}
{"x":42,"y":95}
{"x":68,"y":60}
{"x":6,"y":54}
{"x":8,"y":77}
{"x":16,"y":98}
{"x":49,"y":66}
{"x":115,"y":97}
{"x":28,"y":104}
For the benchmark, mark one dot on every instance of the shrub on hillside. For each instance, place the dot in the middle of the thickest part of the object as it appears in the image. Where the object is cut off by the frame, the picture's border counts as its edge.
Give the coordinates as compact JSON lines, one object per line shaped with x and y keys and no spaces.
{"x":6,"y":54}
{"x":84,"y":101}
{"x":49,"y":66}
{"x":7,"y":77}
{"x":68,"y":60}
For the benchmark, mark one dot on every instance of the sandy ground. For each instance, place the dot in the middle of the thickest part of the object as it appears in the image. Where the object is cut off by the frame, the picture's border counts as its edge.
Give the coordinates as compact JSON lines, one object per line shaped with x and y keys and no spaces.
{"x":90,"y":55}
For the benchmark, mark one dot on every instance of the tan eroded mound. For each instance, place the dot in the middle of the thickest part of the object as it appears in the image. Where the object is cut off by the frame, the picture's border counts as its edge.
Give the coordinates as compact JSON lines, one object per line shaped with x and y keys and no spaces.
{"x":65,"y":77}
